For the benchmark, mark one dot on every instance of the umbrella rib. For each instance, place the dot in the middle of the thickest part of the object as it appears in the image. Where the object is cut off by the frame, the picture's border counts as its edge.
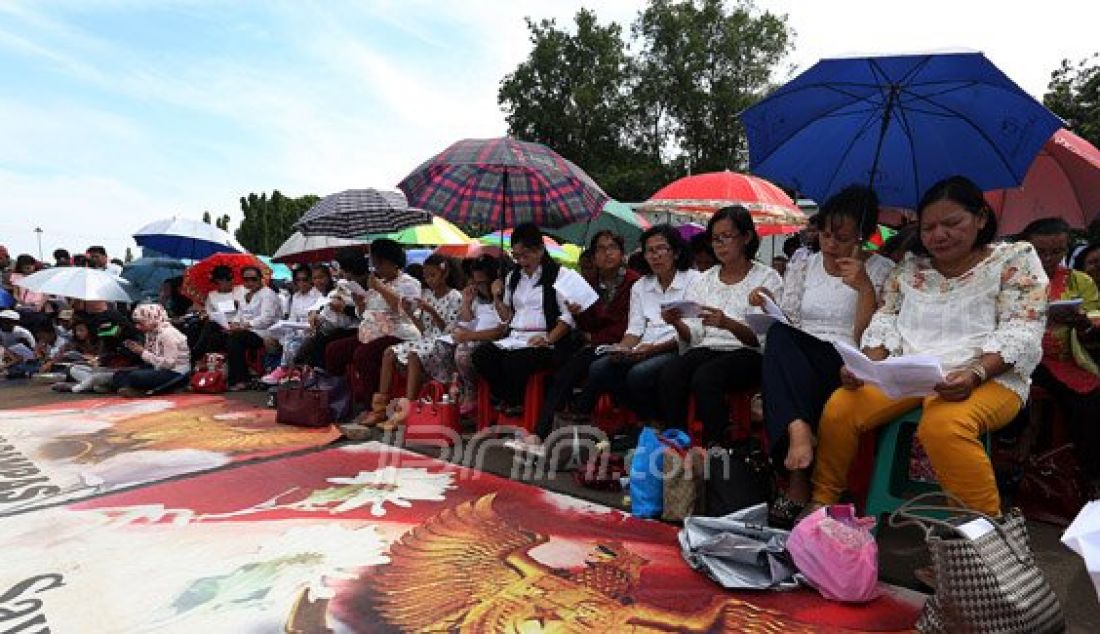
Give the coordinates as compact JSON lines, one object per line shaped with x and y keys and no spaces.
{"x":906,"y":127}
{"x":848,"y":150}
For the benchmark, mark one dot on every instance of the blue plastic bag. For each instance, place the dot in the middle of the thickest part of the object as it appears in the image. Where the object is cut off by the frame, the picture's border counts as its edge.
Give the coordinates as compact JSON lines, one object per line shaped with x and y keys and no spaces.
{"x":646,"y":487}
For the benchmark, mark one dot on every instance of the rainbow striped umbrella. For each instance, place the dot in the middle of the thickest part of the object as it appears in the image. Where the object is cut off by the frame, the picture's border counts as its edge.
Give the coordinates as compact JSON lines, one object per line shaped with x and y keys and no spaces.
{"x":552,"y":246}
{"x":438,"y":232}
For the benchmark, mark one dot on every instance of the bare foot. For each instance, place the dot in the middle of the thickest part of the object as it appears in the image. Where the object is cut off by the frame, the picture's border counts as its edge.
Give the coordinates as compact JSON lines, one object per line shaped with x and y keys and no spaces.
{"x":801,"y":451}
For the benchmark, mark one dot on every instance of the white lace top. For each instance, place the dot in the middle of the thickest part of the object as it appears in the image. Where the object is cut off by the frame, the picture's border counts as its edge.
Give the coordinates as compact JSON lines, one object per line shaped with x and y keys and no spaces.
{"x":997,"y":306}
{"x":732,"y":299}
{"x":822,"y":304}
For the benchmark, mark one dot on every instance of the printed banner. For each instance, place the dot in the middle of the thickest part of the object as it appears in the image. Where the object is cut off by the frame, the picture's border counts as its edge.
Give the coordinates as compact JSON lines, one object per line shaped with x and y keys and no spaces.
{"x":370,"y":538}
{"x":72,"y":451}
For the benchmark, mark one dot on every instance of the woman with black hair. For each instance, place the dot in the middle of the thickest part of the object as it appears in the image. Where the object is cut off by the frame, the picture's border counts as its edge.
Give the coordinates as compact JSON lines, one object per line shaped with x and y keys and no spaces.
{"x":1088,"y":261}
{"x":225,"y":299}
{"x":322,"y":279}
{"x":720,"y":352}
{"x":175,"y":302}
{"x":537,"y":315}
{"x":632,"y":370}
{"x":979,"y":308}
{"x":26,"y":265}
{"x":478,"y":323}
{"x":378,"y":295}
{"x":828,"y":296}
{"x":260,"y":310}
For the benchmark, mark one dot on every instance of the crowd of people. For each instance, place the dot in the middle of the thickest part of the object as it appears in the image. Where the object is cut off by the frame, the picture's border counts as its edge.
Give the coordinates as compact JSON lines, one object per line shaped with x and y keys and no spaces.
{"x":668,"y":325}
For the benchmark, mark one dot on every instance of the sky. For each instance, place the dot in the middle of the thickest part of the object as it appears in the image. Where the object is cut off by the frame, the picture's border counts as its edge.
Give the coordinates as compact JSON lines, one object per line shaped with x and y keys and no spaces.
{"x":116,"y":113}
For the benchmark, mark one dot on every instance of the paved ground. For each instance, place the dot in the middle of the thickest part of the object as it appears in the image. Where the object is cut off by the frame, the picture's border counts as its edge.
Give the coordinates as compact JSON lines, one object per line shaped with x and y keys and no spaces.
{"x":900,"y":550}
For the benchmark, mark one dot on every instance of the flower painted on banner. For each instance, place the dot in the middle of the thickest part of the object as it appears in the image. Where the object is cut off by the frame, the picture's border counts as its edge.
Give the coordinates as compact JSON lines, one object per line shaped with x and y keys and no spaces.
{"x":396,"y":485}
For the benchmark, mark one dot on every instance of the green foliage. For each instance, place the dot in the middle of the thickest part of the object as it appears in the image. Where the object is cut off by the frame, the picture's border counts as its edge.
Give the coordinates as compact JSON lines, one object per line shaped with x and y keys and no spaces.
{"x":636,"y":122}
{"x":268,"y":222}
{"x":206,"y":217}
{"x":129,"y":256}
{"x":1074,"y":95}
{"x":222,"y":223}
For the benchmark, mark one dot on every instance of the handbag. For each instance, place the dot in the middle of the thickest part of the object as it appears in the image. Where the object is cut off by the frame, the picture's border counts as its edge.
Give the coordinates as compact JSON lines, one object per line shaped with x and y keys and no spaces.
{"x":1052,"y":487}
{"x":986,"y":577}
{"x":211,"y":375}
{"x":433,"y":418}
{"x":311,"y":398}
{"x":738,"y":477}
{"x":682,"y":470}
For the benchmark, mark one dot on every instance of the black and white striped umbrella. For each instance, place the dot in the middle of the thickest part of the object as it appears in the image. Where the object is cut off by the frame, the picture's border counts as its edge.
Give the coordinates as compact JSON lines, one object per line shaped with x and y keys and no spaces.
{"x":357,"y":212}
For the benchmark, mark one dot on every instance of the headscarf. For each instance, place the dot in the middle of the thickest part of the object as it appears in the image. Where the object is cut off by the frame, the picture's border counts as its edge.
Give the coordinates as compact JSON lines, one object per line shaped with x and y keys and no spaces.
{"x":152,"y":316}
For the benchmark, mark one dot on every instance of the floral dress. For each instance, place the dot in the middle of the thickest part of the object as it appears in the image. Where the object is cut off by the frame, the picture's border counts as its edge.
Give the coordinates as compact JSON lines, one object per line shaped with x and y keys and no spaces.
{"x":447,"y":307}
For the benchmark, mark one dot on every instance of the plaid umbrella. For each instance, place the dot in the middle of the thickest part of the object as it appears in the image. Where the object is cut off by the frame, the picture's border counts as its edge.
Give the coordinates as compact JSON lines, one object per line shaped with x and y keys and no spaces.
{"x":356,"y":212}
{"x":503,"y":182}
{"x":196,"y":279}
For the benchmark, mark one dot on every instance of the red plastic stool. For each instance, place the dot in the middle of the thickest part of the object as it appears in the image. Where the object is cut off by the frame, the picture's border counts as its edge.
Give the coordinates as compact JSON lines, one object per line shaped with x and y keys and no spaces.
{"x":610,"y":418}
{"x":533,"y":399}
{"x":740,"y":402}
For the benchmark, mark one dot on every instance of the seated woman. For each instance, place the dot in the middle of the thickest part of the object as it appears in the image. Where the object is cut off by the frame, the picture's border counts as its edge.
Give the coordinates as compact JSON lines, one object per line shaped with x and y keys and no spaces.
{"x":537,"y":315}
{"x":26,"y":265}
{"x":383,"y":322}
{"x":1068,"y":369}
{"x":721,"y":353}
{"x":173,"y":300}
{"x":165,"y":355}
{"x":632,"y":371}
{"x":1088,"y":261}
{"x":979,"y":308}
{"x":259,"y":311}
{"x":225,"y":299}
{"x":434,"y":314}
{"x":602,"y":324}
{"x":828,"y":296}
{"x":305,"y":299}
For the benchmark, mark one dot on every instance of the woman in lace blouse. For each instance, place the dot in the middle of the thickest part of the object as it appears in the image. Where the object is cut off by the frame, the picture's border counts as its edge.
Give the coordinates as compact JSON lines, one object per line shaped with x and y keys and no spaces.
{"x":719,"y":352}
{"x":980,"y":309}
{"x":828,"y":296}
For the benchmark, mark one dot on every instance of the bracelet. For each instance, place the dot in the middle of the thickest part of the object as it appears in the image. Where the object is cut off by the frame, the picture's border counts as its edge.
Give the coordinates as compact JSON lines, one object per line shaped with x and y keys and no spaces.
{"x":979,"y":370}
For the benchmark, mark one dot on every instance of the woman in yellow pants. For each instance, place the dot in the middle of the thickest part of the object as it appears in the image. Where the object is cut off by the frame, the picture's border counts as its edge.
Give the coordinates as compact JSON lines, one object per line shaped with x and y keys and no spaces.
{"x":976,"y":306}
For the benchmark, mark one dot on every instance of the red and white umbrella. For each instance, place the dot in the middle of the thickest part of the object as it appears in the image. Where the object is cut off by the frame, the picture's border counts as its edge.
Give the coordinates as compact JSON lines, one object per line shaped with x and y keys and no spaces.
{"x":697,"y":197}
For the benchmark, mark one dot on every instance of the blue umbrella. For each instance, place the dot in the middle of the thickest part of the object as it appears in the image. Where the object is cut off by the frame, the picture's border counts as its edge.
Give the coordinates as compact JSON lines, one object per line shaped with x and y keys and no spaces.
{"x":6,"y":299}
{"x":147,"y":274}
{"x":186,"y":239}
{"x":899,"y":124}
{"x":279,"y":271}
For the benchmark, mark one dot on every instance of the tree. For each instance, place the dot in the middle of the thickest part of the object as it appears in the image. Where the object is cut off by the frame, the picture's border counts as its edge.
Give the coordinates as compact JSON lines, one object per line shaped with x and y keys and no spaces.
{"x":1074,"y":95}
{"x":268,"y":222}
{"x":699,"y":66}
{"x":129,"y":256}
{"x":206,"y":217}
{"x":222,"y":223}
{"x":634,"y":123}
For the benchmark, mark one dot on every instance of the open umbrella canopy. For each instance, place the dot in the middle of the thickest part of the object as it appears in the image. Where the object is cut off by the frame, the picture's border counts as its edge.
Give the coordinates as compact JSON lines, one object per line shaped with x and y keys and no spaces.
{"x":1063,"y":181}
{"x":77,"y":283}
{"x":357,"y":212}
{"x":437,"y":232}
{"x":146,"y":275}
{"x":302,"y":249}
{"x":186,"y":239}
{"x":497,"y":239}
{"x":616,"y":217}
{"x":503,"y":182}
{"x":279,"y":271}
{"x":701,"y":195}
{"x":897,"y":123}
{"x":197,"y":282}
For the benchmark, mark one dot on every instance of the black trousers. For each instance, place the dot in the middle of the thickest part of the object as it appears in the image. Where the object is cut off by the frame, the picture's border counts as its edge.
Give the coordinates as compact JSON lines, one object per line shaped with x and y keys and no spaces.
{"x":205,"y":337}
{"x":239,"y":342}
{"x":1081,"y":413}
{"x":708,"y":375}
{"x":507,"y":370}
{"x":567,"y":376}
{"x":800,"y":373}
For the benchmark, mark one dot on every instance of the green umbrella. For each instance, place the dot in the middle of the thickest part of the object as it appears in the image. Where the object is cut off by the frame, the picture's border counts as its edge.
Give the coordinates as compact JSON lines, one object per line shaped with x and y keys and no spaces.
{"x":616,"y":216}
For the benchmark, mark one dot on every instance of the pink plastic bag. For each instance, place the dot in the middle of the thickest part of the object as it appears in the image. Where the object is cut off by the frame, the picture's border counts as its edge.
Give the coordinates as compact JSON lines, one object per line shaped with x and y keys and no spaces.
{"x":837,"y":554}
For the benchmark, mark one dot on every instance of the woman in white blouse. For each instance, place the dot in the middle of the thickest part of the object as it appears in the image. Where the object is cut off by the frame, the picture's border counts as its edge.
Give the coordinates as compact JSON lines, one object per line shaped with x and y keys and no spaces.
{"x":632,"y":371}
{"x":260,"y":310}
{"x":719,"y":352}
{"x":980,"y":309}
{"x":828,"y":296}
{"x":305,"y":300}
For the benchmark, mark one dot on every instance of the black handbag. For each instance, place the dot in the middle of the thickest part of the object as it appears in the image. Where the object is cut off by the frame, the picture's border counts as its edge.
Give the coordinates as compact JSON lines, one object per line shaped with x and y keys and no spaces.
{"x":737,"y":477}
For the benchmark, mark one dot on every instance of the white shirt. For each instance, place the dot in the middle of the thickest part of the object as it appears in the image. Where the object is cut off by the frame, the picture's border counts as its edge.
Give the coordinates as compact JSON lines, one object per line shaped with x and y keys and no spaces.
{"x":215,"y":298}
{"x":822,"y":304}
{"x":998,"y":306}
{"x":526,"y":303}
{"x":646,"y":297}
{"x":731,"y":299}
{"x":262,"y":311}
{"x":301,"y":303}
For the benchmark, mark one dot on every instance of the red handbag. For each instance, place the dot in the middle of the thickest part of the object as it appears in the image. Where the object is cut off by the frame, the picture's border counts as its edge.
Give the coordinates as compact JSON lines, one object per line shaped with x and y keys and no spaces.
{"x":211,"y":375}
{"x":302,"y":403}
{"x":433,"y":419}
{"x":1052,"y":488}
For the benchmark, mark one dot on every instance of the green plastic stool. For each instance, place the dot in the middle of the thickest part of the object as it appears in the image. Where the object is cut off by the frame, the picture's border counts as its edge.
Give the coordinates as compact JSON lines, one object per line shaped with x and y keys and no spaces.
{"x":890,"y":483}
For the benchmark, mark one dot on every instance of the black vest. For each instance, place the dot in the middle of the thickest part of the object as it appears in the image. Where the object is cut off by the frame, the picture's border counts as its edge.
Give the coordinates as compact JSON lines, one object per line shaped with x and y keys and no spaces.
{"x":550,"y":309}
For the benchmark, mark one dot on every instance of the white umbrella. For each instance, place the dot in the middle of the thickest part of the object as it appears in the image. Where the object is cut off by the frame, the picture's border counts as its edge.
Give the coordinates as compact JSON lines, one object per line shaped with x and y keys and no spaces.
{"x":77,"y":283}
{"x":186,"y":239}
{"x":300,"y":248}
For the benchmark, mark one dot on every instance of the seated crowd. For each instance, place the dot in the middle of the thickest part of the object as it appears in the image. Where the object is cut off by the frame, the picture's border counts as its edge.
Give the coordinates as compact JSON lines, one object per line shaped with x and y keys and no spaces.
{"x":667,"y":334}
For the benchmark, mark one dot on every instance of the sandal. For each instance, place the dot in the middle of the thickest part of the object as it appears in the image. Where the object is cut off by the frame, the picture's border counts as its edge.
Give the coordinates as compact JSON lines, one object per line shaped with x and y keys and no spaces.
{"x":377,"y":412}
{"x":400,"y":412}
{"x":784,"y":512}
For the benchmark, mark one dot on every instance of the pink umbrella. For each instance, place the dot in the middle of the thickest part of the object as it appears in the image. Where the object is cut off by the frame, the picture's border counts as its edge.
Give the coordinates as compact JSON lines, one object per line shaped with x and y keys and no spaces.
{"x":1063,"y":181}
{"x":699,"y":196}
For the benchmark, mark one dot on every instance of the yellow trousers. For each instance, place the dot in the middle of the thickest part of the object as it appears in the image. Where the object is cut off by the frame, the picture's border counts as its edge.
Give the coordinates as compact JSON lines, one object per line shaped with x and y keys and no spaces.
{"x":950,"y":433}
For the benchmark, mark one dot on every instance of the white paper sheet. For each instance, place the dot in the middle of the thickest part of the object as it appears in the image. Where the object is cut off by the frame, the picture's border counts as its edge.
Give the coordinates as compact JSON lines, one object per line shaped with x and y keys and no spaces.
{"x":226,"y":306}
{"x":447,"y":339}
{"x":897,"y":377}
{"x":611,"y":349}
{"x":773,"y":310}
{"x":514,"y":341}
{"x":760,"y":324}
{"x":576,"y":291}
{"x":220,"y":318}
{"x":355,"y":287}
{"x":1083,"y":537}
{"x":686,"y":308}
